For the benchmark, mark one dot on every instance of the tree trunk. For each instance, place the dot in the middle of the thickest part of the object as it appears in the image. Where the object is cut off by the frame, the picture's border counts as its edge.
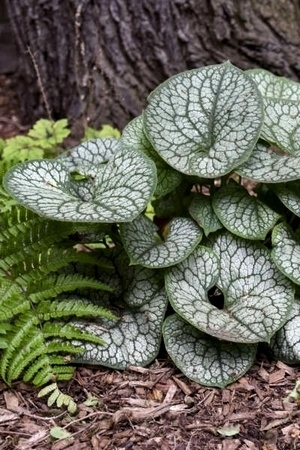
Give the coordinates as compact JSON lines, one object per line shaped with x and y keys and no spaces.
{"x":97,"y":60}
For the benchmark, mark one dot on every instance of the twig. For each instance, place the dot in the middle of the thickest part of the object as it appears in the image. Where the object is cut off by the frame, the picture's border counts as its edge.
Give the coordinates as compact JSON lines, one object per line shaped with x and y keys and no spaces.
{"x":40,"y":83}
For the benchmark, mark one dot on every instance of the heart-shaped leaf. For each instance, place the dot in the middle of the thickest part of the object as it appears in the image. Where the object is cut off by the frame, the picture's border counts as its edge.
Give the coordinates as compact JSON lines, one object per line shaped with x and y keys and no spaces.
{"x":134,"y":340}
{"x":272,"y":86}
{"x":99,"y":189}
{"x":286,"y":342}
{"x":267,"y":165}
{"x":143,"y":286}
{"x":145,"y":247}
{"x":206,"y":121}
{"x":133,"y":136}
{"x":289,"y":194}
{"x":257,"y":297}
{"x":132,"y":285}
{"x":286,"y":252}
{"x":281,"y":106}
{"x":90,"y":154}
{"x":243,"y":214}
{"x":202,"y":211}
{"x":140,"y":301}
{"x":204,"y":359}
{"x":282,"y":124}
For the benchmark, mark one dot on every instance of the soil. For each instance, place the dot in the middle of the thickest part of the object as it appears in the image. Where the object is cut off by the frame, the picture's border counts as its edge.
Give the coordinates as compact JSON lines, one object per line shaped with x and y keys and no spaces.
{"x":150,"y":408}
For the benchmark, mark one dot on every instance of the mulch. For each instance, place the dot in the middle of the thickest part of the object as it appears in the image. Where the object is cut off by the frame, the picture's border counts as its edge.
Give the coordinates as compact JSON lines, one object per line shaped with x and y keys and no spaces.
{"x":157,"y":408}
{"x":150,"y":408}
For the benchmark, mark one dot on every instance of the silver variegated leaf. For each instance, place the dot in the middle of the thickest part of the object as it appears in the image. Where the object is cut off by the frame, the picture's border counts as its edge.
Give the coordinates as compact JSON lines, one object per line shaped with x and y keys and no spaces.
{"x":282,"y":124}
{"x":257,"y":297}
{"x":145,"y":247}
{"x":202,"y":211}
{"x":267,"y":165}
{"x":272,"y":86}
{"x":206,"y":121}
{"x":286,"y":342}
{"x":289,"y":194}
{"x":132,"y":285}
{"x":204,"y":359}
{"x":281,"y":106}
{"x":286,"y":252}
{"x":134,"y":340}
{"x":142,"y":288}
{"x":89,"y":154}
{"x":133,"y":136}
{"x":112,"y":190}
{"x":243,"y":214}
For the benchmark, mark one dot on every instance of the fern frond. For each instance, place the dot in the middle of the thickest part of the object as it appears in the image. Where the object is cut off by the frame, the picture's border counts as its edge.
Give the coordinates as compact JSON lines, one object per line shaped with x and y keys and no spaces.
{"x":55,"y":284}
{"x":7,"y":203}
{"x":39,"y":345}
{"x":26,"y":228}
{"x":63,"y":373}
{"x":72,"y":307}
{"x":12,"y":301}
{"x":25,"y":356}
{"x":22,"y":331}
{"x":58,"y":397}
{"x":30,"y":356}
{"x":17,"y":214}
{"x":69,"y":332}
{"x":34,"y":263}
{"x":49,"y":368}
{"x":4,"y":329}
{"x":40,"y":260}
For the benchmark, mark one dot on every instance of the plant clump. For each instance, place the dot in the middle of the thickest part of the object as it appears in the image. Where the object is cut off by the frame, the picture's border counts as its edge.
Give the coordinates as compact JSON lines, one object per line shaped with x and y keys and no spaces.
{"x":197,"y":206}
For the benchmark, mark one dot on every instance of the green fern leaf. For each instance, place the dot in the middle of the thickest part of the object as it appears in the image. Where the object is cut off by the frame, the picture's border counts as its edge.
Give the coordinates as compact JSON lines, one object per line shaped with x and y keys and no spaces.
{"x":23,"y":330}
{"x":4,"y":329}
{"x":17,"y":214}
{"x":23,"y":358}
{"x":32,"y":350}
{"x":67,"y":331}
{"x":72,"y":307}
{"x":48,"y":368}
{"x":12,"y":300}
{"x":55,"y":284}
{"x":58,"y":397}
{"x":3,"y":343}
{"x":33,"y":231}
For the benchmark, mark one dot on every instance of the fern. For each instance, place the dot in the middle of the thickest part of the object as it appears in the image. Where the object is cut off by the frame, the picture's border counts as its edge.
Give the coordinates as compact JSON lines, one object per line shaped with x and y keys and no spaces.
{"x":55,"y":396}
{"x":38,"y":271}
{"x":56,"y":284}
{"x":48,"y":277}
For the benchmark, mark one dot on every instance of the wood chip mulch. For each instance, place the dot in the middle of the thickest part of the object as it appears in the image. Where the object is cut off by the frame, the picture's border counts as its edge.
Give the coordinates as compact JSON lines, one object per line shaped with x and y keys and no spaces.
{"x":157,"y":408}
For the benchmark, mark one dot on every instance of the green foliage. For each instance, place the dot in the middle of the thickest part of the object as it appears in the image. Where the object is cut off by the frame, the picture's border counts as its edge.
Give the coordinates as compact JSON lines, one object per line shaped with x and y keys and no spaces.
{"x":106,"y":131}
{"x":56,"y":396}
{"x":199,"y":206}
{"x":36,"y":257}
{"x":44,"y":139}
{"x":41,"y":141}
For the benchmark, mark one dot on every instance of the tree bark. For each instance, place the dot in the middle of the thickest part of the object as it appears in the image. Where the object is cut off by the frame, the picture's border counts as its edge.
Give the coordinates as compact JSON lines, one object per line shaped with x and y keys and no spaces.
{"x":97,"y":60}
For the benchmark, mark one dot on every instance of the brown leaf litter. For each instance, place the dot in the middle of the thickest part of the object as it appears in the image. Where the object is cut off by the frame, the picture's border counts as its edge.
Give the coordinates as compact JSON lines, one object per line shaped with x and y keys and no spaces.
{"x":157,"y":408}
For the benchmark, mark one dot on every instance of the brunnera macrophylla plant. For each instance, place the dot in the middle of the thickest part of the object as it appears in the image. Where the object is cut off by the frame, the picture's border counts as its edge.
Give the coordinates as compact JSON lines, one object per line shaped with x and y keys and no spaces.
{"x":216,"y":157}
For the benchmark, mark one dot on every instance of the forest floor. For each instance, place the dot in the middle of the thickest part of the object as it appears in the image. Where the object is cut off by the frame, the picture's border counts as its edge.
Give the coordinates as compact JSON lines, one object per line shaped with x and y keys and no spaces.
{"x":150,"y":408}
